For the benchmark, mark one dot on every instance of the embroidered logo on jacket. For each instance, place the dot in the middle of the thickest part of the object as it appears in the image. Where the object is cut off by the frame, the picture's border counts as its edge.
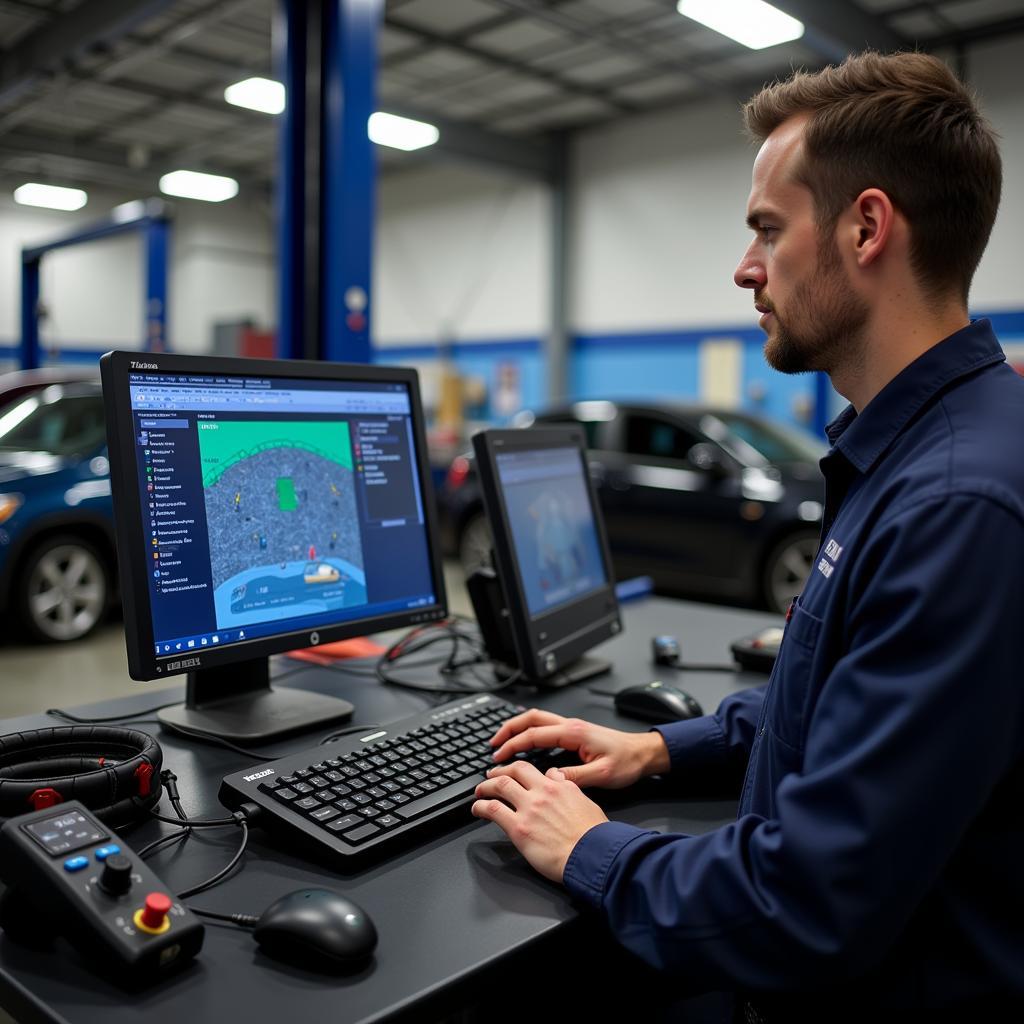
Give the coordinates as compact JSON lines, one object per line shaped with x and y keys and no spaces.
{"x":827,"y":564}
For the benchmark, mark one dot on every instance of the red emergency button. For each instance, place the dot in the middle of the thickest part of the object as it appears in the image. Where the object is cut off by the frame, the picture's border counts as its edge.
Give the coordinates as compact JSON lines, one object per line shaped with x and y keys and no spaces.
{"x":152,"y":917}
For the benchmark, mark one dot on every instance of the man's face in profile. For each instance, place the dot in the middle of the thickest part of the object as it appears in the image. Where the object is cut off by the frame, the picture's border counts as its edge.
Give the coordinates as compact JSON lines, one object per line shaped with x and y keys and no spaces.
{"x":808,"y":309}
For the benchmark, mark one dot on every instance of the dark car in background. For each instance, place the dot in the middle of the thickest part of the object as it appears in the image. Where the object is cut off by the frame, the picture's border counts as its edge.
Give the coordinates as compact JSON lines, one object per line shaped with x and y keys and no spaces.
{"x":707,"y":501}
{"x":57,"y":555}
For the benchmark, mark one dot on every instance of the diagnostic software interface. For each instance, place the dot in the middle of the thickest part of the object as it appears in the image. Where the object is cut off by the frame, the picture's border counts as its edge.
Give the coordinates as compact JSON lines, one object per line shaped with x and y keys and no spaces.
{"x":552,"y":524}
{"x":271,"y":505}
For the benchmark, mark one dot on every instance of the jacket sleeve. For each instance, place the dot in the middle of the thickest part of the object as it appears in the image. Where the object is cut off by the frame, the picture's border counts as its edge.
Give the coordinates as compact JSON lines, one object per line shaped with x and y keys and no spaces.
{"x":910,"y":735}
{"x":715,"y":741}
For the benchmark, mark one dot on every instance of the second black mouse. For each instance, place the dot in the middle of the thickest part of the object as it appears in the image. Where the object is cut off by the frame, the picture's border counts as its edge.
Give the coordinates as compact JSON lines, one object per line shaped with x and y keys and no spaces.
{"x":316,"y":928}
{"x":656,"y":702}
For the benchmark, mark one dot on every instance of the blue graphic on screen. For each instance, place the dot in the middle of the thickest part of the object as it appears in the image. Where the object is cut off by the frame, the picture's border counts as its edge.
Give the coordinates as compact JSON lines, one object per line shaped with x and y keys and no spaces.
{"x":553,"y":527}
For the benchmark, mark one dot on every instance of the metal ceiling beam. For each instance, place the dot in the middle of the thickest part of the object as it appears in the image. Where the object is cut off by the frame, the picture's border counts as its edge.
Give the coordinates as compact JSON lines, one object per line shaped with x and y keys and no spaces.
{"x":838,"y":28}
{"x":53,"y":46}
{"x":533,"y":157}
{"x":109,"y":161}
{"x":507,"y":64}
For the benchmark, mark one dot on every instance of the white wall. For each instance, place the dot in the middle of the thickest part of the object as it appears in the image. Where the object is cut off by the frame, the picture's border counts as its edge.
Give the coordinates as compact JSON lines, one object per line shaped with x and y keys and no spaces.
{"x":461,"y":254}
{"x":658,"y":222}
{"x":221,"y":270}
{"x":995,"y":72}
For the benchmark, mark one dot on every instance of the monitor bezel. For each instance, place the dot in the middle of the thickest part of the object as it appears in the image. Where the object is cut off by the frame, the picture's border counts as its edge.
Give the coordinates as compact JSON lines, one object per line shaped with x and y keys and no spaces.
{"x":567,"y":630}
{"x":143,"y":664}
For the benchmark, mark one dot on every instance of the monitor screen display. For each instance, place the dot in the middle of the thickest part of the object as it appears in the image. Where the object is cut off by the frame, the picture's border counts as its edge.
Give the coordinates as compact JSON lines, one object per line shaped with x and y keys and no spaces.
{"x":557,"y":548}
{"x":272,"y":505}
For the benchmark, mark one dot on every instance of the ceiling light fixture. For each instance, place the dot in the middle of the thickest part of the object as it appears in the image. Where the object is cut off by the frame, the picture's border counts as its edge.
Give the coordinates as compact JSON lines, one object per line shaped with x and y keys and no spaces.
{"x":51,"y":197}
{"x":211,"y":188}
{"x":261,"y":94}
{"x":753,"y":23}
{"x":400,"y":132}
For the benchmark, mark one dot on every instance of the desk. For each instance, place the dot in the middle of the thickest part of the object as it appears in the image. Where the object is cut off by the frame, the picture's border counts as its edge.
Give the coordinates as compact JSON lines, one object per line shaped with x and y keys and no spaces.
{"x":447,"y":912}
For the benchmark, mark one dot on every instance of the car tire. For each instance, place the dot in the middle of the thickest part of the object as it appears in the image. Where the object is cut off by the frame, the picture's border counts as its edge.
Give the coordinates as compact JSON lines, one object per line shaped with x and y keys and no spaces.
{"x":63,"y":590}
{"x":787,"y":567}
{"x":475,"y":543}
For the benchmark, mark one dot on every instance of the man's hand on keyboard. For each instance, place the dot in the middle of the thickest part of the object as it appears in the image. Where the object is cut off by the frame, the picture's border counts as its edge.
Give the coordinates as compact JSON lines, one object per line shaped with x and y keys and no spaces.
{"x":611,"y":759}
{"x":545,"y":816}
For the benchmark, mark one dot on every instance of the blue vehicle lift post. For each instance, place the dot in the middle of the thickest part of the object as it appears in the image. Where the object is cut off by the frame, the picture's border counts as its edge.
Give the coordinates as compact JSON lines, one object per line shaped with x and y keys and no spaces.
{"x":327,"y":57}
{"x":152,"y":219}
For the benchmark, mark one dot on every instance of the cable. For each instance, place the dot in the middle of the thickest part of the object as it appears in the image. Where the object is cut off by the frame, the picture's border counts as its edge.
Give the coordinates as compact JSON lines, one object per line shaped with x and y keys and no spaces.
{"x":240,"y":920}
{"x":67,"y":716}
{"x":225,"y":871}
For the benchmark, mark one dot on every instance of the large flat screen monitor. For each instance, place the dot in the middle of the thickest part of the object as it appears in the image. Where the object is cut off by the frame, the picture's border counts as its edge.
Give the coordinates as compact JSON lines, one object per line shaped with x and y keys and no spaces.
{"x":550,"y":555}
{"x":263,"y":506}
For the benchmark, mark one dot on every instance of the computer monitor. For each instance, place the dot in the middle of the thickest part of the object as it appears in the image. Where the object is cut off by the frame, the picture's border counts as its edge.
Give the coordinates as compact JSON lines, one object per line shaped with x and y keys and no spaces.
{"x":551,"y":596}
{"x":263,"y":506}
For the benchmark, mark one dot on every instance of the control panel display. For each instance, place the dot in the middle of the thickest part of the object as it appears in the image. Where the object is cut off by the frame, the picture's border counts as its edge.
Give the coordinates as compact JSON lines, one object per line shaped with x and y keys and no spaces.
{"x":65,"y":832}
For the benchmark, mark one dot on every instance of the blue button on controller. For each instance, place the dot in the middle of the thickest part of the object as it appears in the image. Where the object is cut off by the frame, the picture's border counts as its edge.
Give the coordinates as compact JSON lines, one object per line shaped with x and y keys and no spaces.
{"x":76,"y":863}
{"x":107,"y":851}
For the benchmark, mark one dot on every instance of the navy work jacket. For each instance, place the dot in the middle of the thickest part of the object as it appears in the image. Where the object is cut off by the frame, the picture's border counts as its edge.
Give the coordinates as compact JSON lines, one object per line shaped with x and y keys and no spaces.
{"x":878,"y":854}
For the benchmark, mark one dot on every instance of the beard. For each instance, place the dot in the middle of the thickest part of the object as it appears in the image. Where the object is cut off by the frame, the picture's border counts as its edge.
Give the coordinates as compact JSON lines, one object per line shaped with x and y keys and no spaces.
{"x":824,"y":321}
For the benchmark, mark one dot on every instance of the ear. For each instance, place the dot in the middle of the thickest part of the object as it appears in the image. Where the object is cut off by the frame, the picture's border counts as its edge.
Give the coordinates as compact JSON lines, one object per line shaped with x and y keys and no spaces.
{"x":872,"y":222}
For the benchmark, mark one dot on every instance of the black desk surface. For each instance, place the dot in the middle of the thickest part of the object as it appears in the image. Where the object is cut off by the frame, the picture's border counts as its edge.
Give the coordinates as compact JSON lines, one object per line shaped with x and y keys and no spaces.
{"x":446,"y":911}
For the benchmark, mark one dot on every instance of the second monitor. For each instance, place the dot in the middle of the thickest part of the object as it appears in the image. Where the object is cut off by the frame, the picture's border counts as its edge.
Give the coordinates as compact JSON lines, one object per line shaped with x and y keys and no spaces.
{"x":551,"y":596}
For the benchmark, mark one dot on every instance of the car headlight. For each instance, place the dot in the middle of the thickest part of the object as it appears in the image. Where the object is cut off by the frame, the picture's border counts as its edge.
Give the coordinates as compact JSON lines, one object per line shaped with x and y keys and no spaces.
{"x":9,"y":504}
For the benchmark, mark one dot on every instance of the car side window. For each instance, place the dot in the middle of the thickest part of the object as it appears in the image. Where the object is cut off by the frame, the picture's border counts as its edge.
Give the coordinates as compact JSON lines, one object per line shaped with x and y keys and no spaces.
{"x":73,"y":424}
{"x":658,"y":438}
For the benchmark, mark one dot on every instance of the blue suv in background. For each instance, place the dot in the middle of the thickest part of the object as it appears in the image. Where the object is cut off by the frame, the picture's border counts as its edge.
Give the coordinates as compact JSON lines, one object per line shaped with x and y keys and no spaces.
{"x":58,"y":567}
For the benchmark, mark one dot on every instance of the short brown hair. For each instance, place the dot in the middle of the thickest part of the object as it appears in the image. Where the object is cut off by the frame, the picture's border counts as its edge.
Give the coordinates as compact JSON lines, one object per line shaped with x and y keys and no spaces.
{"x":903,"y":123}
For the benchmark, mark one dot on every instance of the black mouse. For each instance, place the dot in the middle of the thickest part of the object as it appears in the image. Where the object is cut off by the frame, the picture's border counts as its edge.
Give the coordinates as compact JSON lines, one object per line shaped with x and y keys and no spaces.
{"x":656,"y":702}
{"x":316,"y":928}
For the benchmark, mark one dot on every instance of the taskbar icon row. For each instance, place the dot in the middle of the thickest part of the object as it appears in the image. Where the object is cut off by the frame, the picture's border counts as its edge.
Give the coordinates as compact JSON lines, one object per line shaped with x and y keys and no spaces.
{"x":192,"y":643}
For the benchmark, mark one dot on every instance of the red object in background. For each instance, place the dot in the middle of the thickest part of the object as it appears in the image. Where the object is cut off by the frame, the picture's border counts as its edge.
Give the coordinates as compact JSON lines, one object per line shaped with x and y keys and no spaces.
{"x":356,"y":322}
{"x":254,"y":344}
{"x":457,"y":472}
{"x":312,"y":552}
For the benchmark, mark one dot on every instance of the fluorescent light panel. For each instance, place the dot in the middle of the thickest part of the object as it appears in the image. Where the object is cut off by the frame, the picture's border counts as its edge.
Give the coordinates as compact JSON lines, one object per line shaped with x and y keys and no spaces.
{"x":751,"y":22}
{"x":52,"y":197}
{"x":211,"y":188}
{"x":400,"y":132}
{"x":257,"y":94}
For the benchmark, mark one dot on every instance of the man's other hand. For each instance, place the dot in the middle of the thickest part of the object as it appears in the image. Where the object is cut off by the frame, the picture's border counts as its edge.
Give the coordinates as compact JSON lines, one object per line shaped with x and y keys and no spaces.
{"x":545,"y":816}
{"x":611,"y":759}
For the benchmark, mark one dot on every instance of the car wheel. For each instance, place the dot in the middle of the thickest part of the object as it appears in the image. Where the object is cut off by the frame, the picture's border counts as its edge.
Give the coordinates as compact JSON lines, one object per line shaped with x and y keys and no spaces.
{"x":787,"y":567}
{"x":64,"y":590}
{"x":475,"y":544}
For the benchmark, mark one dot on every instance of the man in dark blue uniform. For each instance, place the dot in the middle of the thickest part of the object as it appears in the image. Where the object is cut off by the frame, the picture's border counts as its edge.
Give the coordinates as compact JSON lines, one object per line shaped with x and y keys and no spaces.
{"x":877,"y":860}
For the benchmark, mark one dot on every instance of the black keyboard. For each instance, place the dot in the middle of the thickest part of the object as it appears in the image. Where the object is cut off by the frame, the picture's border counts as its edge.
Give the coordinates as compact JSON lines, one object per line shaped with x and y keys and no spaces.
{"x":363,"y":795}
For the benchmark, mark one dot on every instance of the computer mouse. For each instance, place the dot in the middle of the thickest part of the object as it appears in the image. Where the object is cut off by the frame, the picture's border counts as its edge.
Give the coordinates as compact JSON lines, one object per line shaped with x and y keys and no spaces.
{"x":656,"y":702}
{"x":316,"y":928}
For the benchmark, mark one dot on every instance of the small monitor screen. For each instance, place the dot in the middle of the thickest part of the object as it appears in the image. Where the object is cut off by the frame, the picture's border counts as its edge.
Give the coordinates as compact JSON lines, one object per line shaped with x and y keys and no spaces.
{"x":557,"y":548}
{"x":275,"y":504}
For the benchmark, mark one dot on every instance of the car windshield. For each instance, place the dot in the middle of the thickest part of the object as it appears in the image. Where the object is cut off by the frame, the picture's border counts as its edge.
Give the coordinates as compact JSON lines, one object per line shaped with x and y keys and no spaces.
{"x":53,"y":422}
{"x":775,"y":441}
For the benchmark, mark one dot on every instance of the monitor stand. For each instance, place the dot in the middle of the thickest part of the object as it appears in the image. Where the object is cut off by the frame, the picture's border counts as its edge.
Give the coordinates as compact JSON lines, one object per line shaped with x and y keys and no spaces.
{"x":581,"y":669}
{"x":237,"y":702}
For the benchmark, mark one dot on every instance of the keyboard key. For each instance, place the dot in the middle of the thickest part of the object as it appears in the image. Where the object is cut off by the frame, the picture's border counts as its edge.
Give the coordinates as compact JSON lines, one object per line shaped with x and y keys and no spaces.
{"x":326,"y":795}
{"x":307,"y":803}
{"x":323,"y":814}
{"x":433,"y":801}
{"x":388,"y":821}
{"x":302,"y":787}
{"x":285,"y":794}
{"x":317,"y":781}
{"x":345,"y":824}
{"x":361,"y":834}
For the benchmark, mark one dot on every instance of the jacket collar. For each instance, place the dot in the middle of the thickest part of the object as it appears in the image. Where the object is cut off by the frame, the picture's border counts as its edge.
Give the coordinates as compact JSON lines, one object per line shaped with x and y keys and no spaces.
{"x":864,"y":438}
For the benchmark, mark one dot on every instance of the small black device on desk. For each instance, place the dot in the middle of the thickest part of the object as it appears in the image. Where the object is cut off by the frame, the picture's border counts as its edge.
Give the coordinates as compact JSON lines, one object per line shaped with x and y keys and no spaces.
{"x":656,"y":702}
{"x":80,"y":880}
{"x":759,"y":651}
